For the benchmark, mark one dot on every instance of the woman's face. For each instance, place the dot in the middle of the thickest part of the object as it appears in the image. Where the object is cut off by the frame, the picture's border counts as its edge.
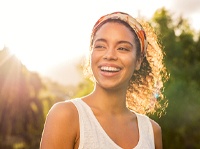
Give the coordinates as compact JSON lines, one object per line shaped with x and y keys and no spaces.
{"x":113,"y":57}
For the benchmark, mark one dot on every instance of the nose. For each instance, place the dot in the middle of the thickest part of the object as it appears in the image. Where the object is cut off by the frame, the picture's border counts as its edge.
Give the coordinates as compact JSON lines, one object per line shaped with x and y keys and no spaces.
{"x":110,"y":54}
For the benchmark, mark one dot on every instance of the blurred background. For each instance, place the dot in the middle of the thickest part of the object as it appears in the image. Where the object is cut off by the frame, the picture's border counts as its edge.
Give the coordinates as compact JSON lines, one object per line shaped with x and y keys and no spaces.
{"x":42,"y":48}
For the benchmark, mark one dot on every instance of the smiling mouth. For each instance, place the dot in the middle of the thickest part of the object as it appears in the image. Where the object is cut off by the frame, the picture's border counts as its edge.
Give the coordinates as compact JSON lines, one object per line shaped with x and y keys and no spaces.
{"x":109,"y":69}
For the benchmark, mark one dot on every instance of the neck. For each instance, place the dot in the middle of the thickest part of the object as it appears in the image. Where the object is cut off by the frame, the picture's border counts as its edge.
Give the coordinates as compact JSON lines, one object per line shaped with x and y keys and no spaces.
{"x":108,"y":100}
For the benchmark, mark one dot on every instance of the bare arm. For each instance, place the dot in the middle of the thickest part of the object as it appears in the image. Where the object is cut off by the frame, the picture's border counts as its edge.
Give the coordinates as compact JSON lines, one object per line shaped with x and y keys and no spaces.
{"x":61,"y":127}
{"x":157,"y":135}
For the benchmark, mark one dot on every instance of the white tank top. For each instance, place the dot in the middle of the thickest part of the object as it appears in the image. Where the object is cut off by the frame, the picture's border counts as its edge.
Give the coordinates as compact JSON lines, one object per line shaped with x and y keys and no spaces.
{"x":93,"y":136}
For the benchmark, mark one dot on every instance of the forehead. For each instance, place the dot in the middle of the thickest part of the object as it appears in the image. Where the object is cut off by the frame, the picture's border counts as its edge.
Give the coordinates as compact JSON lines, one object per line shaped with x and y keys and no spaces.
{"x":113,"y":21}
{"x":113,"y":30}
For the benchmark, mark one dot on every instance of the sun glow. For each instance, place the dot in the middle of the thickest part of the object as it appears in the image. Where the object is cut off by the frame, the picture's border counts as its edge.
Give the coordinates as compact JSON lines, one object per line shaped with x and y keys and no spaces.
{"x":1,"y":44}
{"x":45,"y":33}
{"x":41,"y":49}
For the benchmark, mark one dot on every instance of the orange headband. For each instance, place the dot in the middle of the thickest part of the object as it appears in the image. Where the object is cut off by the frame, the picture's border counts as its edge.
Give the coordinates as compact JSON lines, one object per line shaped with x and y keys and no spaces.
{"x":136,"y":26}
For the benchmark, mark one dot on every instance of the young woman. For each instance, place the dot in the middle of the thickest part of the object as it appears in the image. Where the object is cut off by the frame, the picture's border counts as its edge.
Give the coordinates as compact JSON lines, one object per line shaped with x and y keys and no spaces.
{"x":127,"y":69}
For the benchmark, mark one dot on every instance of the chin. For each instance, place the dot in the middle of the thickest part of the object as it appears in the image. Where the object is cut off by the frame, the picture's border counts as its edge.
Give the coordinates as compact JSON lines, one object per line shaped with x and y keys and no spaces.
{"x":110,"y":86}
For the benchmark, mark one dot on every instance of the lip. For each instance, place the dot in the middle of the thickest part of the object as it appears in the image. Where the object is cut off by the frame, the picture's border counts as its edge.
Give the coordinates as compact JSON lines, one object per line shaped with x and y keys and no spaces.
{"x":109,"y":65}
{"x":109,"y":74}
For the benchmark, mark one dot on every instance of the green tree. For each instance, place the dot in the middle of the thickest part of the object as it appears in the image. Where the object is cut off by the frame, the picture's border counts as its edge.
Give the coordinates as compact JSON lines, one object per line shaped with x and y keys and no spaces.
{"x":25,"y":99}
{"x":84,"y":88}
{"x":20,"y":109}
{"x":180,"y":124}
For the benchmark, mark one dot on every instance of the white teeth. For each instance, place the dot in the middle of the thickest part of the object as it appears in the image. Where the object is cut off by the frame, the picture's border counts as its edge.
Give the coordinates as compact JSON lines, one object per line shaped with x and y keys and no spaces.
{"x":113,"y":69}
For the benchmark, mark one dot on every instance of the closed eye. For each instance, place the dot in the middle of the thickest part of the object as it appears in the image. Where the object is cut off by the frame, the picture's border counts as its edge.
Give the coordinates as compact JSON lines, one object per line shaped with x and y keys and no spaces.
{"x":99,"y":47}
{"x":123,"y":49}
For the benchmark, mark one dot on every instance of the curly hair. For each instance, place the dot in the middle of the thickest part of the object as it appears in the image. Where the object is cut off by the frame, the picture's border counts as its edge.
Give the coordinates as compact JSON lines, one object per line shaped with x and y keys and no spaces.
{"x":146,"y":87}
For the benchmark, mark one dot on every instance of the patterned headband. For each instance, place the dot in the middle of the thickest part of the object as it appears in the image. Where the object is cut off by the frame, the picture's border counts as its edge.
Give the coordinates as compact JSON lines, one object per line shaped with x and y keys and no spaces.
{"x":135,"y":25}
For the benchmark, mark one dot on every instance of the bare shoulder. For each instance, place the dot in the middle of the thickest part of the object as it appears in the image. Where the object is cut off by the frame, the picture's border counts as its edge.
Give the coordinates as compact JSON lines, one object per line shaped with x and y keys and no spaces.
{"x":61,"y":125}
{"x":62,"y":111}
{"x":157,"y":134}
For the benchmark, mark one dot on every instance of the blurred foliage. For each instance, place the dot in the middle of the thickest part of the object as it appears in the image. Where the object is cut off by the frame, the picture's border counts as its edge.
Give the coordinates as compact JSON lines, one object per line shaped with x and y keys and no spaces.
{"x":84,"y":88}
{"x":181,"y":44}
{"x":26,"y":97}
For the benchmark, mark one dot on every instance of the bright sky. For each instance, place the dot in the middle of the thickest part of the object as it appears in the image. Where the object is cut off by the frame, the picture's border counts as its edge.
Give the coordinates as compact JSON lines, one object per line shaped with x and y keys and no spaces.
{"x":44,"y":33}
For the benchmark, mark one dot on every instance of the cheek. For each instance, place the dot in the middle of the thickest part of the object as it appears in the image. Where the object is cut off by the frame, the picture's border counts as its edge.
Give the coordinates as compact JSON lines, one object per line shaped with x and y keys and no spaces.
{"x":95,"y":56}
{"x":131,"y":64}
{"x":93,"y":59}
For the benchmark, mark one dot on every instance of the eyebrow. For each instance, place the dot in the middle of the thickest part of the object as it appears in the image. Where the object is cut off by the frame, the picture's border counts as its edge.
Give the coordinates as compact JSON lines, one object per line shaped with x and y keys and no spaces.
{"x":100,"y":39}
{"x":119,"y":42}
{"x":127,"y":42}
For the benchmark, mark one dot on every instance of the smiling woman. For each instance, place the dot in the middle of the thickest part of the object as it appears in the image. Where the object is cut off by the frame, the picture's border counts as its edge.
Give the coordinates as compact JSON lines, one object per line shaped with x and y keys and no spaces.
{"x":126,"y":65}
